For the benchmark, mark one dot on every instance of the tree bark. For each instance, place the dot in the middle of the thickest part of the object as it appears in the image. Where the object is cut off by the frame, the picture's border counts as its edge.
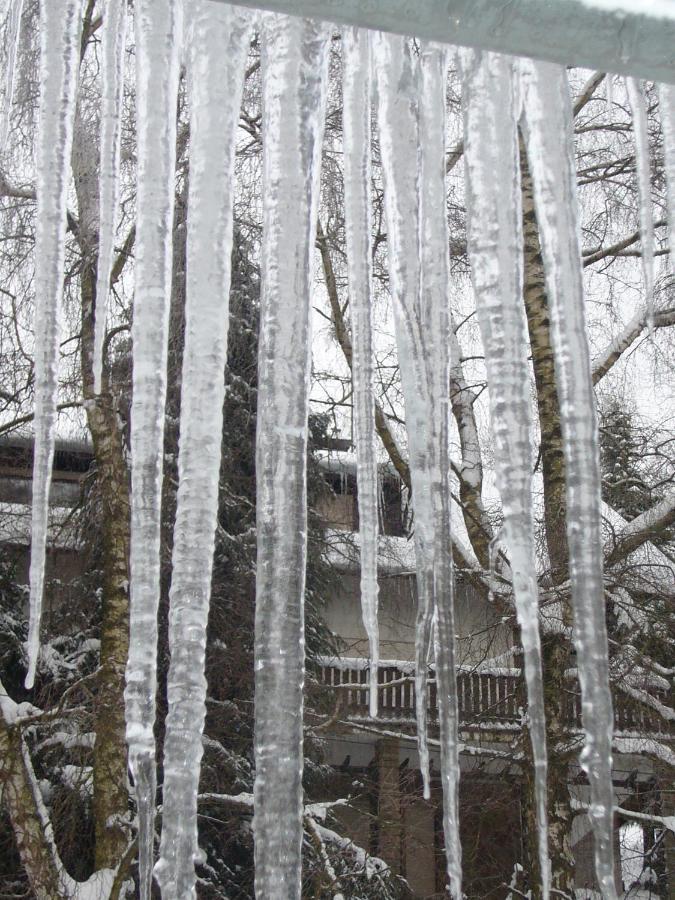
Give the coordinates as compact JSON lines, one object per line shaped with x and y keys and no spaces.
{"x":548,"y":403}
{"x":106,"y":425}
{"x":19,"y":789}
{"x":555,"y":646}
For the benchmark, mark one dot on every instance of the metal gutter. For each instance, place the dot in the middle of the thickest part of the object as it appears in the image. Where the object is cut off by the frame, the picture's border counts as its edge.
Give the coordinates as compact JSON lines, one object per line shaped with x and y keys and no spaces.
{"x":633,"y":37}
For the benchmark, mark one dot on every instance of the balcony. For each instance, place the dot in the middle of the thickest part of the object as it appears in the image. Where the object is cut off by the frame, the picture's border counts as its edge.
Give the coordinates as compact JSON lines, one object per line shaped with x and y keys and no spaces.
{"x":489,"y":699}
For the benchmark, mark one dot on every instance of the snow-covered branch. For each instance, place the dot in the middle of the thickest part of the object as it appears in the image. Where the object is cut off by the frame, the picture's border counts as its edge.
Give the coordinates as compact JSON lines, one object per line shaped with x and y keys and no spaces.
{"x":642,"y":529}
{"x":604,"y":361}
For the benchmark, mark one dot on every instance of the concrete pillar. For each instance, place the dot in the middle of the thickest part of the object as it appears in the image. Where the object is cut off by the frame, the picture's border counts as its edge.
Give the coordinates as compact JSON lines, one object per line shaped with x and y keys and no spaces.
{"x":389,"y":803}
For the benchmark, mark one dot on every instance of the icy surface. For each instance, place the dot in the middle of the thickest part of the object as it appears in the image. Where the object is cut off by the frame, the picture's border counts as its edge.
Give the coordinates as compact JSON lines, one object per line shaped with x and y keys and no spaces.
{"x":294,"y":58}
{"x":112,"y":63}
{"x":13,"y":38}
{"x":495,"y":243}
{"x":667,"y":110}
{"x":411,"y":111}
{"x":219,"y":37}
{"x":59,"y":59}
{"x":357,"y":177}
{"x":548,"y":125}
{"x":637,"y":102}
{"x":158,"y":30}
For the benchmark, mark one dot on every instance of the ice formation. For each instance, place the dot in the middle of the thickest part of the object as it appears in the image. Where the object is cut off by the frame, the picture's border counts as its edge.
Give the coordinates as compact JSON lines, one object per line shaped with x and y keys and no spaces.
{"x":667,"y":110}
{"x":495,"y":240}
{"x":547,"y":119}
{"x":112,"y":69}
{"x":158,"y":31}
{"x":294,"y":68}
{"x":59,"y":58}
{"x":636,"y":98}
{"x":411,"y":115}
{"x":14,"y":36}
{"x":411,"y":111}
{"x":357,"y":176}
{"x":219,"y":36}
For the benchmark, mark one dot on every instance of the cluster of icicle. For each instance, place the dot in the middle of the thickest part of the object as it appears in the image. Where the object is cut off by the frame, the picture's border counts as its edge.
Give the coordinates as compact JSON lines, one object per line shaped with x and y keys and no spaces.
{"x":499,"y":95}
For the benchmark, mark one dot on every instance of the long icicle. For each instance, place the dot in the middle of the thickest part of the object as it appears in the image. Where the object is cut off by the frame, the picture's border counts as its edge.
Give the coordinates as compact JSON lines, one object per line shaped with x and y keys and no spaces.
{"x":112,"y":68}
{"x":434,"y":312}
{"x":357,"y":177}
{"x":636,"y":98}
{"x":547,"y":120}
{"x":295,"y":63}
{"x":667,"y":110}
{"x":219,"y":38}
{"x":417,"y":239}
{"x":397,"y":96}
{"x":158,"y":31}
{"x":59,"y":61}
{"x":15,"y":13}
{"x":495,"y":238}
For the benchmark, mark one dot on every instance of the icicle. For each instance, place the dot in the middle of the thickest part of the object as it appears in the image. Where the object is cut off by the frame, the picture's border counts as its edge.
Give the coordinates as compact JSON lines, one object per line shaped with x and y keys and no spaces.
{"x":398,"y":123}
{"x":294,"y":71}
{"x":636,"y":98}
{"x":112,"y":66}
{"x":158,"y":29}
{"x":13,"y":38}
{"x":412,"y":141}
{"x":218,"y":46}
{"x":434,"y":311}
{"x":548,"y":125}
{"x":667,"y":110}
{"x":495,"y":242}
{"x":356,"y":106}
{"x":59,"y":60}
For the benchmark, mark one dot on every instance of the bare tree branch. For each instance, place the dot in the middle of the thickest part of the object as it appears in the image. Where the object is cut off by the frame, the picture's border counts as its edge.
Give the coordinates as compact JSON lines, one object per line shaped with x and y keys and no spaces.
{"x":632,"y":330}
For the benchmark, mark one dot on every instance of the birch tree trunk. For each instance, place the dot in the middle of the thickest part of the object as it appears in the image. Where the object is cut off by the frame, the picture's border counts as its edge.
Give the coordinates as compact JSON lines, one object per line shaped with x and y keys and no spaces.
{"x":555,"y":646}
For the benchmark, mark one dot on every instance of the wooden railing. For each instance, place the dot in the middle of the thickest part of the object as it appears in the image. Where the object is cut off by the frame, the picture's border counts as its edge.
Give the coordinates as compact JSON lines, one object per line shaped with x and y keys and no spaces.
{"x":487,"y":699}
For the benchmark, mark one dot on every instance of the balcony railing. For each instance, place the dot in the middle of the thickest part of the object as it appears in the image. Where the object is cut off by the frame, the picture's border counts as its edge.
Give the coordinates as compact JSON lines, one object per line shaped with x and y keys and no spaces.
{"x":489,"y":699}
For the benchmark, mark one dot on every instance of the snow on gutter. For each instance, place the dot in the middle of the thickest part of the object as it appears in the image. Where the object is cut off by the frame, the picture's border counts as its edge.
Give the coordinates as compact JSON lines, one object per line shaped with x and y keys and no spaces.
{"x":634,"y":37}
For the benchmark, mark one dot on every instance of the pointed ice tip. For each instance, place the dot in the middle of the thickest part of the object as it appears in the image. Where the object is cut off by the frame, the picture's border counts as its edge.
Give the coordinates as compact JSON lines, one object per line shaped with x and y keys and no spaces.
{"x":30,"y":676}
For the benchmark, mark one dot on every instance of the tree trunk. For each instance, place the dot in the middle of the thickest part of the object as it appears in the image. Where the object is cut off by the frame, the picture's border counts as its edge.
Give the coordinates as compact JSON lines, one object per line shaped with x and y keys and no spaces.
{"x":111,"y":798}
{"x":548,"y":404}
{"x":555,"y":646}
{"x":20,"y":795}
{"x":106,"y":425}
